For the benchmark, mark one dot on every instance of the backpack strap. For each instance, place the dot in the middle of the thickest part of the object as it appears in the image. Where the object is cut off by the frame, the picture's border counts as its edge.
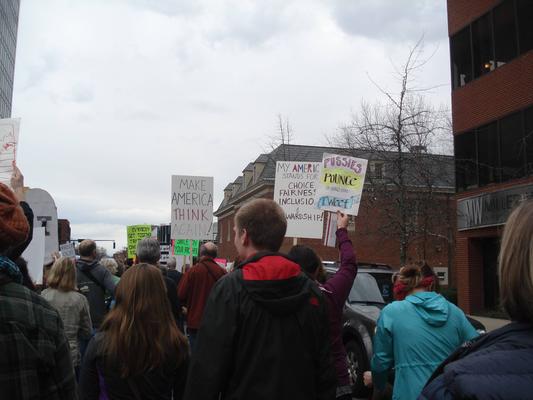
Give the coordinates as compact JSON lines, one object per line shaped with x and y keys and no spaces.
{"x":209,"y":271}
{"x":93,"y":279}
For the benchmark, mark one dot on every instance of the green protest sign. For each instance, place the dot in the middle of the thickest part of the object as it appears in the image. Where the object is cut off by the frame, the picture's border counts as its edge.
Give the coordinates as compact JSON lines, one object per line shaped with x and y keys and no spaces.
{"x":183,"y":247}
{"x":136,"y":233}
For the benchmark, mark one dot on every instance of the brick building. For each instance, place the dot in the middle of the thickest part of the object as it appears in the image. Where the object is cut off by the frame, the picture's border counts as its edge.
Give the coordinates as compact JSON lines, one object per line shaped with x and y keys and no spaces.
{"x":257,"y":181}
{"x":491,"y":48}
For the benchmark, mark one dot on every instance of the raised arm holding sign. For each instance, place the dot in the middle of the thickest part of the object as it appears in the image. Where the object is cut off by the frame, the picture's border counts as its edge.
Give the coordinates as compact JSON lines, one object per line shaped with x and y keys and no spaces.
{"x":341,"y":183}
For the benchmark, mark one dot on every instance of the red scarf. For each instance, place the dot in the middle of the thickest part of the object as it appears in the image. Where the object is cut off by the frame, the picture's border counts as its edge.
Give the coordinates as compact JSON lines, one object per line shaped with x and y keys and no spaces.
{"x":400,"y":289}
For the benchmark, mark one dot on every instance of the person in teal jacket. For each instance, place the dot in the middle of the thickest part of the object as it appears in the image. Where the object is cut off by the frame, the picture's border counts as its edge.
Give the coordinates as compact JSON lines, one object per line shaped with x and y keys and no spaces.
{"x":416,"y":334}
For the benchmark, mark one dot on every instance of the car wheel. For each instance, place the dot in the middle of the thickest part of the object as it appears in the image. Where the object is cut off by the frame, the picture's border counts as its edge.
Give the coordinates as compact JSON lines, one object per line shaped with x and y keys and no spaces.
{"x":357,"y":365}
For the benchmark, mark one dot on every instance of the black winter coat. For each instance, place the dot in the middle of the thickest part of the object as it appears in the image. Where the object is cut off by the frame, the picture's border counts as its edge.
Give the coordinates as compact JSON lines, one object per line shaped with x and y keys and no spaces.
{"x":498,"y":365}
{"x":264,"y":335}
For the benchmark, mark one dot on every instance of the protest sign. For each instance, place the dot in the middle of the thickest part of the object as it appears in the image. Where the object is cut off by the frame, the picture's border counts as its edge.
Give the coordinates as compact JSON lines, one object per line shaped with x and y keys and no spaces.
{"x":34,"y":255}
{"x":295,"y":191}
{"x":183,"y":247}
{"x":136,"y":233}
{"x":9,"y":136}
{"x":67,"y":250}
{"x":191,"y":207}
{"x":341,"y":183}
{"x":165,"y":253}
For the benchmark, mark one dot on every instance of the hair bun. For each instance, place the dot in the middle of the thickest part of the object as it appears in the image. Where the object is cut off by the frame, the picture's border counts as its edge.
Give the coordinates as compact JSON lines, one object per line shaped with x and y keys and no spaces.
{"x":410,"y":272}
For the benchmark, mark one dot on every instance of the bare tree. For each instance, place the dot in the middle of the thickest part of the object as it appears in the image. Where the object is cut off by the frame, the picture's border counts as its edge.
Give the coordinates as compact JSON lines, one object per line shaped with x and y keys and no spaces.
{"x":398,"y":135}
{"x":284,"y":136}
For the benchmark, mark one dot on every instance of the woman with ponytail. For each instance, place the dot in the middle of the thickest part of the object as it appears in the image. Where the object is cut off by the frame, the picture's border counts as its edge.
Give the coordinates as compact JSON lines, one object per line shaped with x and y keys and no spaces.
{"x":416,"y":333}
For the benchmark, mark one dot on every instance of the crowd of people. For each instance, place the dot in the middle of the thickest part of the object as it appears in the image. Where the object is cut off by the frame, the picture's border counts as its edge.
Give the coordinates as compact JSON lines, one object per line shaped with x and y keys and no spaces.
{"x":269,"y":329}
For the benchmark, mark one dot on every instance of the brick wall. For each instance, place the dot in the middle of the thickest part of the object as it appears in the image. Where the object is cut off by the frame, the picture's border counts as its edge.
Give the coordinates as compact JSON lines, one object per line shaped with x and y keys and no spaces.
{"x":369,"y":243}
{"x":63,"y":228}
{"x":469,"y":267}
{"x":501,"y":92}
{"x":461,"y":12}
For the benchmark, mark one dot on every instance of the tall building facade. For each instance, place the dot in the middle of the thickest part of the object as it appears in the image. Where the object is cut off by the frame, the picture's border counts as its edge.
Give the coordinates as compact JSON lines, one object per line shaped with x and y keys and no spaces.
{"x":491,"y":51}
{"x":9,"y":16}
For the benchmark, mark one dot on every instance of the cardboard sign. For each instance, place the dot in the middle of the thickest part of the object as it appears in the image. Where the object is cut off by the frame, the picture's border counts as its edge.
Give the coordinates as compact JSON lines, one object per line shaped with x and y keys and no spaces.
{"x":191,"y":207}
{"x":34,"y":255}
{"x":341,"y":183}
{"x":295,"y":191}
{"x":67,"y":250}
{"x":9,"y":137}
{"x":183,"y":247}
{"x":136,"y":233}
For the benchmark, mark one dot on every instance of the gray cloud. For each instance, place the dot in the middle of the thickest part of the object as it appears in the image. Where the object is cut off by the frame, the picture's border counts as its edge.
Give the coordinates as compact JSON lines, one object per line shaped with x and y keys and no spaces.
{"x":81,"y":94}
{"x":169,"y":7}
{"x":396,"y":20}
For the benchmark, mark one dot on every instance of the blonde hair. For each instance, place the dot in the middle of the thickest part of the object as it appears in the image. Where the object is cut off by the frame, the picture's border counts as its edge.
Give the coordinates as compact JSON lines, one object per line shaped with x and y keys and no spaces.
{"x":110,"y":264}
{"x":62,"y":275}
{"x":516,"y":264}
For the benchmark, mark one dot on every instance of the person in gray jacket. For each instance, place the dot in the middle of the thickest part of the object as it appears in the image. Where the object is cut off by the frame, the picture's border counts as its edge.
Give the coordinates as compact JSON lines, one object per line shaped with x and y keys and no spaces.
{"x":72,"y":306}
{"x":94,"y":281}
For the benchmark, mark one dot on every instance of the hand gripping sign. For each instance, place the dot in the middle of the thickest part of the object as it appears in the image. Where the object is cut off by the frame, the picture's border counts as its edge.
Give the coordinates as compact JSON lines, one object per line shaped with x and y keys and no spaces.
{"x":341,"y":183}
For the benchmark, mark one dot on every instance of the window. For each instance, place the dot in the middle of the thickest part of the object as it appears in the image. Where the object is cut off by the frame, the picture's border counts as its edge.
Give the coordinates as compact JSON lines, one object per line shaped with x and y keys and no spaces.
{"x":461,"y":58}
{"x":505,"y":33}
{"x":482,"y":45}
{"x":524,"y":11}
{"x":512,"y":147}
{"x":528,"y":125}
{"x":487,"y":154}
{"x":465,"y":161}
{"x":377,"y":170}
{"x":229,"y":231}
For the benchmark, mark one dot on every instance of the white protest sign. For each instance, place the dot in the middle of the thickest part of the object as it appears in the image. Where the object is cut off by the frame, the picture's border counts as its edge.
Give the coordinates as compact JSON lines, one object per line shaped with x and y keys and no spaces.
{"x":67,"y":250}
{"x":9,"y":136}
{"x":341,"y":183}
{"x":191,"y":207}
{"x":294,"y":191}
{"x":34,"y":255}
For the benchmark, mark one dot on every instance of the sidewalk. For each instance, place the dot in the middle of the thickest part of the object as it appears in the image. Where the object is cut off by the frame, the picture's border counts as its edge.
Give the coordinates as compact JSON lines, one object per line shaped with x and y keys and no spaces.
{"x":491,"y":323}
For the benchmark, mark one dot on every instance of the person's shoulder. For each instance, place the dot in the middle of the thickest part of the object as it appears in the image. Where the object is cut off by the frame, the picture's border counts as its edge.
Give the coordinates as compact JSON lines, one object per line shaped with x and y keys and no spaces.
{"x":395,"y":307}
{"x":27,"y":307}
{"x":77,"y":296}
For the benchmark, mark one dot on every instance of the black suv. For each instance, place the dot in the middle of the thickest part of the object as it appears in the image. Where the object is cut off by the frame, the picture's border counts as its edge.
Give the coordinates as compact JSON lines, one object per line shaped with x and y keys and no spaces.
{"x":372,"y":290}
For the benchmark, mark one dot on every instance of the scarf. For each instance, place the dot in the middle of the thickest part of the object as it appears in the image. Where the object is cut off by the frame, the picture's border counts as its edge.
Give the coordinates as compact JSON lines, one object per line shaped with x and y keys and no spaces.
{"x":400,"y":289}
{"x":10,"y":269}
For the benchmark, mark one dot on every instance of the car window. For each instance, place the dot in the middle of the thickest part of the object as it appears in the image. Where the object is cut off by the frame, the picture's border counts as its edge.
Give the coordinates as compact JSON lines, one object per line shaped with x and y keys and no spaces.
{"x":385,"y":285}
{"x":365,"y":290}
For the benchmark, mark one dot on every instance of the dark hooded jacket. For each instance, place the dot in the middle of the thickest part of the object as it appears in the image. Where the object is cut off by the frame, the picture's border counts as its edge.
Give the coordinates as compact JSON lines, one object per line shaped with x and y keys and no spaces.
{"x":264,"y":335}
{"x":93,"y":281}
{"x":498,"y":365}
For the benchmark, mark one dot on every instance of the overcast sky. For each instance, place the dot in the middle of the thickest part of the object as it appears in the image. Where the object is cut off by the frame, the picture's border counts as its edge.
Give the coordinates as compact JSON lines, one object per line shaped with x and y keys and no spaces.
{"x":115,"y":96}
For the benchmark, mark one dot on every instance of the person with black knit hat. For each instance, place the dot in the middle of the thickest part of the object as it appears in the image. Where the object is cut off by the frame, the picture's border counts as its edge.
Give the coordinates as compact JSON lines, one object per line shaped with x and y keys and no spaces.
{"x":35,"y":360}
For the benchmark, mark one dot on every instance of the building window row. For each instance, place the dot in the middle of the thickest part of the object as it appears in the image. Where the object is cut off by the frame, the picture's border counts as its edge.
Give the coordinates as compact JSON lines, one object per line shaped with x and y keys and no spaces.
{"x":496,"y":152}
{"x":492,"y":40}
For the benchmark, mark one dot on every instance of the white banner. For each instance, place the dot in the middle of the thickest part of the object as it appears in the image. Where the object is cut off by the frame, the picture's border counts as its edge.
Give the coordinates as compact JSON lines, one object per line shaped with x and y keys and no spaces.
{"x":9,"y":136}
{"x":295,"y":191}
{"x":67,"y":250}
{"x":341,"y":183}
{"x":191,"y":207}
